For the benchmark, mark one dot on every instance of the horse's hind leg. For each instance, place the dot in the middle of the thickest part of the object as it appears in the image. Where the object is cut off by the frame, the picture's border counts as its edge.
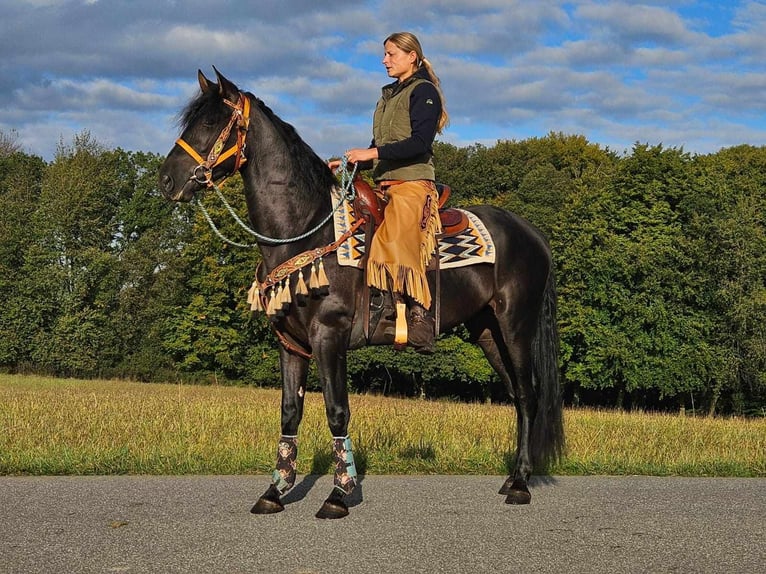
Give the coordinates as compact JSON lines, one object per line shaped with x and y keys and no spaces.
{"x":515,"y":486}
{"x":294,"y":372}
{"x":513,"y":365}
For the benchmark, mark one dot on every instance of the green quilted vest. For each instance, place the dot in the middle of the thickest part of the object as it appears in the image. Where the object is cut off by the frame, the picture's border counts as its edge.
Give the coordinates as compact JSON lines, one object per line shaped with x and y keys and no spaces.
{"x":391,"y":123}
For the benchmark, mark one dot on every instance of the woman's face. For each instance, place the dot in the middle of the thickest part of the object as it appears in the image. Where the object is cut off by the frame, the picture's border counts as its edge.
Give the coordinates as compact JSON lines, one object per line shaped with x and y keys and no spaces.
{"x":399,"y":64}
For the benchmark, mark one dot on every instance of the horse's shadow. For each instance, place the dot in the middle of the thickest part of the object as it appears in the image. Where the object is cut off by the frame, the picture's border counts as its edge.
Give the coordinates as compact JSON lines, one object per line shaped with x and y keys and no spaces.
{"x":321,"y":465}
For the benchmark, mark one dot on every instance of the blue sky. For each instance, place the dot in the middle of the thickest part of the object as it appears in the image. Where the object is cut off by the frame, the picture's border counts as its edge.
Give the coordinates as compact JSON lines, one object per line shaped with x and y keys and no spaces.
{"x":683,"y":74}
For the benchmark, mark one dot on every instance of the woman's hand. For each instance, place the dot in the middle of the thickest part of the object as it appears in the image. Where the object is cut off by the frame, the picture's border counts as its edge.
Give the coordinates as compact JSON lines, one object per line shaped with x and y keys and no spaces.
{"x":358,"y":155}
{"x":355,"y":155}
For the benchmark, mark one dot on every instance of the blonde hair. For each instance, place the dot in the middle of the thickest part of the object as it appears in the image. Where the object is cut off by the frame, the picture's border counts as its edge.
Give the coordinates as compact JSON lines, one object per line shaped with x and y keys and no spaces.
{"x":408,"y":42}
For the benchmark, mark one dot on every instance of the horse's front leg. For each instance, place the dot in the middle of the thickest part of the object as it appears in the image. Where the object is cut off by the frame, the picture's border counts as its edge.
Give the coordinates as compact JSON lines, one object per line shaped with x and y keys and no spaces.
{"x":330,"y":352}
{"x":294,"y":371}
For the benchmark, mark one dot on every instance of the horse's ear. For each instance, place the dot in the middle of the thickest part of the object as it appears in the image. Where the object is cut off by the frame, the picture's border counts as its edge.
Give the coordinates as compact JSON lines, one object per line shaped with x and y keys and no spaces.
{"x":225,"y":87}
{"x":204,"y":83}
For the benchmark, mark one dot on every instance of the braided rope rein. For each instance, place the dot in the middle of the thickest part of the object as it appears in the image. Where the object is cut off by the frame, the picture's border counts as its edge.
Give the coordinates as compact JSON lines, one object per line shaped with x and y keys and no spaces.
{"x":348,"y":193}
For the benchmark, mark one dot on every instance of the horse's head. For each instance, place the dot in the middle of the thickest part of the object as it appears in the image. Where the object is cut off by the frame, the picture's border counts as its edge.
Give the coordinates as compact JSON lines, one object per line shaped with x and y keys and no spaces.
{"x":212,"y":143}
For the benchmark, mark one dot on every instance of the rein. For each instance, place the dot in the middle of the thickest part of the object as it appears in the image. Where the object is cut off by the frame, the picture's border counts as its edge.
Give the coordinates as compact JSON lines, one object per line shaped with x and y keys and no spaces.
{"x":348,"y":193}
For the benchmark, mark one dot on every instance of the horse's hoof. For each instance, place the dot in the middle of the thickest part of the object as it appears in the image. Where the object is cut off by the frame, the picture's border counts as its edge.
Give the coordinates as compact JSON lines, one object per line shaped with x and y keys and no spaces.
{"x":269,"y":503}
{"x":266,"y":506}
{"x":516,"y":491}
{"x":518,"y":496}
{"x":507,"y":487}
{"x":333,"y":508}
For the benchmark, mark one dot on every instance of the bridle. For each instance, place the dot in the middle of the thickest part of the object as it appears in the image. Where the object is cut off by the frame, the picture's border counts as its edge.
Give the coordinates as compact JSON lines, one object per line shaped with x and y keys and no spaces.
{"x":202,"y":174}
{"x":240,"y":117}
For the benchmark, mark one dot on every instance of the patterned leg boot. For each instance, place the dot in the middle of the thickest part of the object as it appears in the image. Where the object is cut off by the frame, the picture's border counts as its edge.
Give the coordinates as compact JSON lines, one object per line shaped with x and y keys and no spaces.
{"x":344,"y":481}
{"x":282,"y":479}
{"x":345,"y":467}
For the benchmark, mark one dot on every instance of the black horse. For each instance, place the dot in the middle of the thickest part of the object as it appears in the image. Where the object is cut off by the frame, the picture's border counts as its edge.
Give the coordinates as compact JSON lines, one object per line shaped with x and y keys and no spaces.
{"x":508,"y":307}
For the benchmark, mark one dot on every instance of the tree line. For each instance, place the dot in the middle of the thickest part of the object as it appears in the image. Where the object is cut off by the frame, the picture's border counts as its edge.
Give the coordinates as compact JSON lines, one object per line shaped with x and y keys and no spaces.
{"x":660,"y":259}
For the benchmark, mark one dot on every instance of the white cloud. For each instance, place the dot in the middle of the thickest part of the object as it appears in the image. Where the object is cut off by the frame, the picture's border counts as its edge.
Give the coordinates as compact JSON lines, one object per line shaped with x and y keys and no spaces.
{"x":676,"y":72}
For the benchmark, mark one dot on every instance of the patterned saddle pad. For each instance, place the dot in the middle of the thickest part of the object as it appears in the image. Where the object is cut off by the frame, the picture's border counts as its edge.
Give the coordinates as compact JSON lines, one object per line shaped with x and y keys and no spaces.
{"x":474,"y":245}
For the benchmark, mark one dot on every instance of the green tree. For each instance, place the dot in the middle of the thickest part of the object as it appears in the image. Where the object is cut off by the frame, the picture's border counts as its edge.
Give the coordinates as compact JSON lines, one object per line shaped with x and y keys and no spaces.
{"x":149,"y":235}
{"x":731,"y":221}
{"x":75,"y":219}
{"x":213,"y":333}
{"x":20,"y":183}
{"x":630,"y":324}
{"x":548,"y":171}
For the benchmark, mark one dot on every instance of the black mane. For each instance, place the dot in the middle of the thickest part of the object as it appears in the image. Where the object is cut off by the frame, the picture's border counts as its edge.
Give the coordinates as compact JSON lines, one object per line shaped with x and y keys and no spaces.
{"x":318,"y":176}
{"x":205,"y":106}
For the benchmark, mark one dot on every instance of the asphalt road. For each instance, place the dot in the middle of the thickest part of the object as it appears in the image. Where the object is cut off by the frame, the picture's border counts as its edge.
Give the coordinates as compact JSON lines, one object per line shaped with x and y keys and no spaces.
{"x":142,"y":524}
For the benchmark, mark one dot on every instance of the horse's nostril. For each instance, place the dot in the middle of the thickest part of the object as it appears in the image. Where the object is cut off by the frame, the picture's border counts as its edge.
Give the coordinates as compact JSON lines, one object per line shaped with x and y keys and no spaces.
{"x":167,"y":183}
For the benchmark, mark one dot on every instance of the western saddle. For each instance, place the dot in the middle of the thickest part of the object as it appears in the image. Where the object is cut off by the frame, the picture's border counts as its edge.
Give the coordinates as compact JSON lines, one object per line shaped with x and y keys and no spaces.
{"x":371,"y":204}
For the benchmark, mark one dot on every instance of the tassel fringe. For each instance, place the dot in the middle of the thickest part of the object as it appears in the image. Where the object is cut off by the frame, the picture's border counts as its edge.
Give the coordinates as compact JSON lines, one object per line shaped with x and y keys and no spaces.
{"x":301,"y":291}
{"x":279,"y":297}
{"x":313,"y":281}
{"x":254,"y":298}
{"x":275,"y":292}
{"x":286,"y":296}
{"x":400,"y":279}
{"x":324,"y":284}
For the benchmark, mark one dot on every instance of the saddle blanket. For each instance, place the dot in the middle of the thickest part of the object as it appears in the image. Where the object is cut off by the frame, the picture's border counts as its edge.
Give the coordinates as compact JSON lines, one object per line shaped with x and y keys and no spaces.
{"x":474,"y":245}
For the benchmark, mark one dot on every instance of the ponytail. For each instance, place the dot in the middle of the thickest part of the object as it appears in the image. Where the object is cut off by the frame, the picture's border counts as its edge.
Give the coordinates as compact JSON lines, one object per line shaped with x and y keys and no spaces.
{"x":444,"y":119}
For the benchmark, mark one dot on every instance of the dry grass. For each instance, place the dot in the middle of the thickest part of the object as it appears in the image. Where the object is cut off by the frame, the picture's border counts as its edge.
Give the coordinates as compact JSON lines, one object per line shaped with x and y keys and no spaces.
{"x":50,"y":426}
{"x":663,"y":444}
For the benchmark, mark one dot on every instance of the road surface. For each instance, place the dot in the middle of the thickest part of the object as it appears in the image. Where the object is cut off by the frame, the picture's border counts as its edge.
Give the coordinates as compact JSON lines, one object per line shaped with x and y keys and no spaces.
{"x":398,"y":524}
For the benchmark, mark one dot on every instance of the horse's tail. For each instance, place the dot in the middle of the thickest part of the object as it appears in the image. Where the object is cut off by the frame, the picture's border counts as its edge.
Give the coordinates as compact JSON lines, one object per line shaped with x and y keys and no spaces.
{"x":547,"y":437}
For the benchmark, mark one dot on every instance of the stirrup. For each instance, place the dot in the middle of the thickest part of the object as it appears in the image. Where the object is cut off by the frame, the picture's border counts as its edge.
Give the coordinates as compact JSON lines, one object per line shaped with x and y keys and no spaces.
{"x":400,"y":333}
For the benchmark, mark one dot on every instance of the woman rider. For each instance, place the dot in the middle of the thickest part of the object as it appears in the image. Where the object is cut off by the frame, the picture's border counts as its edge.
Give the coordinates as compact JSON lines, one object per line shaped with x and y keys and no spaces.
{"x":407,"y":118}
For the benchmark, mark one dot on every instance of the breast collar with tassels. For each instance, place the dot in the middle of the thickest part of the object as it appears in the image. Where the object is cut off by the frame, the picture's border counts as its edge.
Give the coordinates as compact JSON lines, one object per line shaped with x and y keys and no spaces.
{"x":240,"y":116}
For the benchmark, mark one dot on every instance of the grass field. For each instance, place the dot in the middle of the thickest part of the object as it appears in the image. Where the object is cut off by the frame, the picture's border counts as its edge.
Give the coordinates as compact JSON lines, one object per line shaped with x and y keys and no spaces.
{"x":54,"y":426}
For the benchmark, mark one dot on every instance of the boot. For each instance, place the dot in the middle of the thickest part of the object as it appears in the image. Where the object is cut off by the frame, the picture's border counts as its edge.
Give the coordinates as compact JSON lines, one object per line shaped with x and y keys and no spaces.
{"x":420,"y":328}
